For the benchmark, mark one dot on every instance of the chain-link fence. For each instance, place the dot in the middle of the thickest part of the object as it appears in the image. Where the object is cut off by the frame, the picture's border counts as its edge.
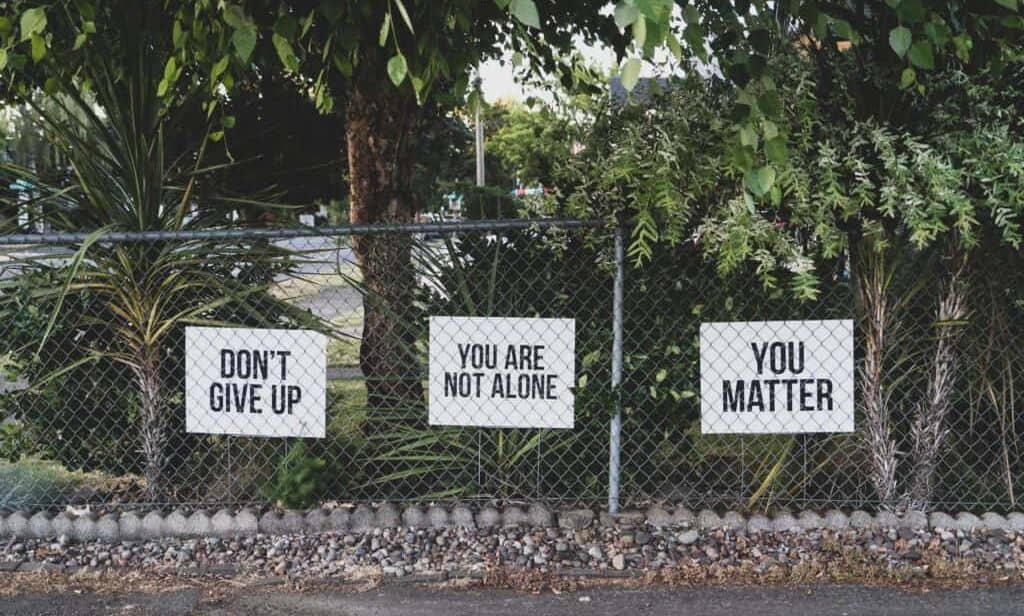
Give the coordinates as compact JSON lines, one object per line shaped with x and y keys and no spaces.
{"x":540,"y":404}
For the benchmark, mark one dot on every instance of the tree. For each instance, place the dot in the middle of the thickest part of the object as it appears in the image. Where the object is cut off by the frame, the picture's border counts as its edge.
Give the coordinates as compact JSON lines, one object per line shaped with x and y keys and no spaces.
{"x":530,"y":144}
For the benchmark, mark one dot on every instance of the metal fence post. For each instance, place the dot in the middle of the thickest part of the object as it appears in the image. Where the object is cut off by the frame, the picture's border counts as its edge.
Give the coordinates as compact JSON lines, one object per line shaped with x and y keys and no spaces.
{"x":615,"y":444}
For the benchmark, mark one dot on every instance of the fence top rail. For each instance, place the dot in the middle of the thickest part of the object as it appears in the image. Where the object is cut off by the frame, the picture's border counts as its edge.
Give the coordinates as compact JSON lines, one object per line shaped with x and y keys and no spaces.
{"x":293,"y":232}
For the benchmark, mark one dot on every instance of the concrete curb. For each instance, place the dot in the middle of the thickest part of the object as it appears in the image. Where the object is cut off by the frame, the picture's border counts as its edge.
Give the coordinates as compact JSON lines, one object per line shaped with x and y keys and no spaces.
{"x":136,"y":526}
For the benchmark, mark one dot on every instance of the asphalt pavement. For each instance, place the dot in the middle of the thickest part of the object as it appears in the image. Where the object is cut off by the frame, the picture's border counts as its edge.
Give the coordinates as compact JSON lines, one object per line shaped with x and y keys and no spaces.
{"x":395,"y":600}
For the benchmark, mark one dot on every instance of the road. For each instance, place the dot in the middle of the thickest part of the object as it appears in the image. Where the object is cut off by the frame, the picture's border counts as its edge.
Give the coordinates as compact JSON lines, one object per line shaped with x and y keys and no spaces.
{"x":407,"y":599}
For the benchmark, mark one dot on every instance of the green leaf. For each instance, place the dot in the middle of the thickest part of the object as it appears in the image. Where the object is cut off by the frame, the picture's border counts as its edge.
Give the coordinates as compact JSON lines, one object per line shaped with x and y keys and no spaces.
{"x":385,"y":28}
{"x":405,"y":15}
{"x":234,"y":16}
{"x":625,"y":15}
{"x":79,"y":41}
{"x":51,"y":86}
{"x":775,"y":150}
{"x":526,"y":12}
{"x":6,"y":27}
{"x":759,"y":181}
{"x":218,"y":69}
{"x":899,"y":40}
{"x":1010,"y":4}
{"x":38,"y":48}
{"x":748,"y":136}
{"x":285,"y":53}
{"x":33,"y":22}
{"x":3,"y":59}
{"x":921,"y":55}
{"x":397,"y":69}
{"x":640,"y":32}
{"x":244,"y":40}
{"x":907,"y":78}
{"x":170,"y":69}
{"x":630,"y":73}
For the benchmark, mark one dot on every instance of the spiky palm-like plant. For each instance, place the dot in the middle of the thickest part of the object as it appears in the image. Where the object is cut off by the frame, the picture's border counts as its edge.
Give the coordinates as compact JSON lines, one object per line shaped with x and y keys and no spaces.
{"x":134,"y":164}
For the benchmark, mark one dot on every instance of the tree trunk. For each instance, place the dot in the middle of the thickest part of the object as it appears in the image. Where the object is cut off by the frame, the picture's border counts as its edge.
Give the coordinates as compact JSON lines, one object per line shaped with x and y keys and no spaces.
{"x":930,"y":428}
{"x":153,"y":419}
{"x":380,"y":124}
{"x":873,"y":275}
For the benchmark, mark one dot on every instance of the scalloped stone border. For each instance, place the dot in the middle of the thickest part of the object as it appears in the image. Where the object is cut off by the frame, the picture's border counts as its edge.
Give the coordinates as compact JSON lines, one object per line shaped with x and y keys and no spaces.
{"x":134,"y":525}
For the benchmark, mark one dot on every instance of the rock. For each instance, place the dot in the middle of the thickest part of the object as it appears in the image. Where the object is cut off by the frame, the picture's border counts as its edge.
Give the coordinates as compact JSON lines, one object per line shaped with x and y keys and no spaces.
{"x":540,"y":516}
{"x":388,"y":516}
{"x":85,"y":527}
{"x":886,"y":519}
{"x":338,"y":519}
{"x":39,"y":525}
{"x":108,"y":529}
{"x":836,"y":520}
{"x":861,"y":520}
{"x":152,"y":526}
{"x":16,"y":525}
{"x":413,"y":517}
{"x":595,"y":552}
{"x":968,"y":521}
{"x":784,"y":521}
{"x":623,"y":518}
{"x":575,"y":519}
{"x":734,"y":521}
{"x":1015,"y":520}
{"x":514,"y":516}
{"x":317,"y":521}
{"x":940,"y":520}
{"x":130,"y":525}
{"x":657,"y":517}
{"x":759,"y":523}
{"x":462,"y":517}
{"x":362,"y":519}
{"x":488,"y":517}
{"x":708,"y":519}
{"x":619,"y":562}
{"x":437,"y":516}
{"x":688,"y":537}
{"x":994,"y":522}
{"x":809,"y":520}
{"x":914,"y":520}
{"x":683,"y":517}
{"x":197,"y":524}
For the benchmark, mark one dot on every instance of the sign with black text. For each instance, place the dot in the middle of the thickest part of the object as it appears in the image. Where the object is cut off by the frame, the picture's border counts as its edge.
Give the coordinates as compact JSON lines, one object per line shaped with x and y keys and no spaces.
{"x":776,"y":377}
{"x":255,"y":382}
{"x":502,"y":372}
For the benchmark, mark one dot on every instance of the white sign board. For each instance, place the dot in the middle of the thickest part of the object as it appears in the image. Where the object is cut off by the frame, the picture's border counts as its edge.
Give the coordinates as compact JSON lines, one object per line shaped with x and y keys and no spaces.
{"x":500,"y":372}
{"x":255,"y":382}
{"x":785,"y":377}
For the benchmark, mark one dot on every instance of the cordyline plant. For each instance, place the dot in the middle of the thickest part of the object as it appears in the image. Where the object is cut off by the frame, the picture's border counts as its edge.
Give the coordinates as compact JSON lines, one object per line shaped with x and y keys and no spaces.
{"x":131,"y":165}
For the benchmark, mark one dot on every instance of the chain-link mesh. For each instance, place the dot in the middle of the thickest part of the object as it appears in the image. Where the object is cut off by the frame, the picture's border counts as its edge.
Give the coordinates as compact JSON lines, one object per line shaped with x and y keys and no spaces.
{"x":94,"y":400}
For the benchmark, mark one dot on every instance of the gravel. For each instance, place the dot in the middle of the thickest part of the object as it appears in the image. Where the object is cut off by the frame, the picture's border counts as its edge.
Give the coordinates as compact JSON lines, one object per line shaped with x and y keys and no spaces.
{"x":460,"y":551}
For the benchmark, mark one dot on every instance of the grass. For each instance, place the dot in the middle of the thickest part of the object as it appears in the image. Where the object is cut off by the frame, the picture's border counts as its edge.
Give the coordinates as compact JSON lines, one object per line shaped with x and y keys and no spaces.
{"x":347,"y":411}
{"x":306,"y":285}
{"x":31,"y":481}
{"x":343,"y":348}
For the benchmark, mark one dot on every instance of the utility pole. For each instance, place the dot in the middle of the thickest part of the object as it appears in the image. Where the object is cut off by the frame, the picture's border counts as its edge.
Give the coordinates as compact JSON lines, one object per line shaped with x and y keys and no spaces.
{"x":480,"y":180}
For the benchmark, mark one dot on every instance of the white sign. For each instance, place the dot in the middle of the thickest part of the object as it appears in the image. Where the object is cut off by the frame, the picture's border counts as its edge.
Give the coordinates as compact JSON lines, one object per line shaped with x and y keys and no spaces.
{"x":255,"y":382}
{"x":765,"y":377}
{"x":499,"y":372}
